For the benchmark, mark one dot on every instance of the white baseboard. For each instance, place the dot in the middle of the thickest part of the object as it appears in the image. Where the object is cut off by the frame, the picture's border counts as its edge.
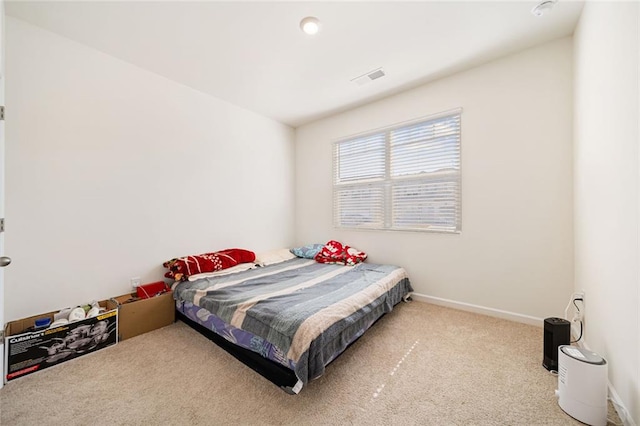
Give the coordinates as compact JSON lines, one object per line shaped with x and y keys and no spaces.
{"x":498,"y":313}
{"x":621,"y":409}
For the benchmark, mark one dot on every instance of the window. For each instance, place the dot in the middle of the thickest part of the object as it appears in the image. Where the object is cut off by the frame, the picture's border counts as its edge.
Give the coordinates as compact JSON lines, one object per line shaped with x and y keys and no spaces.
{"x":405,"y":177}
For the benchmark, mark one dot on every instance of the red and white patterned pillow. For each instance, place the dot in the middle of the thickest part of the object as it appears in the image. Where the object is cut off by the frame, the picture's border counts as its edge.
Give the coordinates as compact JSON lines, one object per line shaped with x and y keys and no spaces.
{"x":182,"y":267}
{"x":354,"y":256}
{"x":336,"y":252}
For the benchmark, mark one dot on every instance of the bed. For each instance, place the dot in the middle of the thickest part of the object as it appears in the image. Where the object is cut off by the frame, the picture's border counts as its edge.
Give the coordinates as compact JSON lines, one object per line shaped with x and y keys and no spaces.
{"x":291,"y":319}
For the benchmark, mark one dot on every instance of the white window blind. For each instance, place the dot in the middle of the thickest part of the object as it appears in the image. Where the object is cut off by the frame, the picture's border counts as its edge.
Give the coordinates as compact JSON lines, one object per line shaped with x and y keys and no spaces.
{"x":404,"y":177}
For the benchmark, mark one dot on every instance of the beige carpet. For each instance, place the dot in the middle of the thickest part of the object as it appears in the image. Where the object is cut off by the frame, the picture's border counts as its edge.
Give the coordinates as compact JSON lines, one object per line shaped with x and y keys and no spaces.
{"x":420,"y":365}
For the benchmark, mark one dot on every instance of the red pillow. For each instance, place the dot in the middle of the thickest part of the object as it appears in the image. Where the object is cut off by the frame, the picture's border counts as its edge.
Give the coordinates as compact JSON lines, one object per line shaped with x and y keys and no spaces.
{"x":335,"y":252}
{"x":182,"y":267}
{"x":354,"y":256}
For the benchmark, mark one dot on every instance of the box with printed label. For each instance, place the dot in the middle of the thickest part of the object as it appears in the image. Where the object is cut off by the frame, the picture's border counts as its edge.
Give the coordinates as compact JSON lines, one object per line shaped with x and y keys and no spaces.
{"x":29,"y":351}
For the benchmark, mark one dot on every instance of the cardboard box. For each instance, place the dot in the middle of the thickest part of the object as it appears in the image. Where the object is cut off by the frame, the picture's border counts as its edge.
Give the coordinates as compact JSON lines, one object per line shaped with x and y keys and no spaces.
{"x":137,"y":316}
{"x":29,"y":351}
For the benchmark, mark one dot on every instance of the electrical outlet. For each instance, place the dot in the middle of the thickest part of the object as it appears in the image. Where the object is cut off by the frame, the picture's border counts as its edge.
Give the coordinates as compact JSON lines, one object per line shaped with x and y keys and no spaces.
{"x":135,"y":282}
{"x":577,"y":323}
{"x":577,"y":299}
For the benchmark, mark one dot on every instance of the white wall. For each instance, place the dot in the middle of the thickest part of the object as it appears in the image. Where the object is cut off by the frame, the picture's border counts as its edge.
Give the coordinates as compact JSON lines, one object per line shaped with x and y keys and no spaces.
{"x":112,"y":169}
{"x":515,"y":250}
{"x":606,"y":188}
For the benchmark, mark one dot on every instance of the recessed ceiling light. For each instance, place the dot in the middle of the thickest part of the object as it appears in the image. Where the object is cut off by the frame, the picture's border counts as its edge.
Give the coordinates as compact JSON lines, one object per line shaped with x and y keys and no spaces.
{"x":310,"y":25}
{"x":543,"y":7}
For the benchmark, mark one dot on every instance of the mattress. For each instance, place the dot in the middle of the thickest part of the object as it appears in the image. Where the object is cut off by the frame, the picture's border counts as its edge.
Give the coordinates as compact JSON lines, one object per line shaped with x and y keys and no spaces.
{"x":298,"y":313}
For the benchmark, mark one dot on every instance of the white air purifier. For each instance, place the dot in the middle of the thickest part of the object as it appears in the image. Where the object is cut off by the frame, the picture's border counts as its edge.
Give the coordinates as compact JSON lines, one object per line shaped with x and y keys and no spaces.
{"x":582,"y":385}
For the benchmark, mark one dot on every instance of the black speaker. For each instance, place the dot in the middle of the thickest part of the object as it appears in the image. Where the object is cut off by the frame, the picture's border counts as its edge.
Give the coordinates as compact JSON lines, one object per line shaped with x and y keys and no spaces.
{"x":557,"y":331}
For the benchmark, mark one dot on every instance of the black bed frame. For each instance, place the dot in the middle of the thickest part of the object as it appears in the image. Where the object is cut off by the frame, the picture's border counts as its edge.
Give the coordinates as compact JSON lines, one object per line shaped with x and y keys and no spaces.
{"x":277,"y":374}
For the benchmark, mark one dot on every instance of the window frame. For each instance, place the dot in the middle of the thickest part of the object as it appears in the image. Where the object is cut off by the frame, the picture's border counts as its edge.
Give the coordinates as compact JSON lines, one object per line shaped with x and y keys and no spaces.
{"x":389,"y":182}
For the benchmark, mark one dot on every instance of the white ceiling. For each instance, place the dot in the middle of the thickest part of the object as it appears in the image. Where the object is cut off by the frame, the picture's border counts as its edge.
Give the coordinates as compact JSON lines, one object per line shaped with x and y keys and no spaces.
{"x":254,"y":55}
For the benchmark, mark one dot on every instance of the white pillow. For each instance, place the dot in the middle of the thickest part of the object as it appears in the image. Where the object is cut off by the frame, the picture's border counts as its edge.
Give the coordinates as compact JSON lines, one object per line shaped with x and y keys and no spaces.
{"x":238,"y":268}
{"x":274,"y":256}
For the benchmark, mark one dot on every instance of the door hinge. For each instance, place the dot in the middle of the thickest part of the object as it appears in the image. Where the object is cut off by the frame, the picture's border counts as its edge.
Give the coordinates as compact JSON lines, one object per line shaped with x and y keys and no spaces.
{"x":1,"y":224}
{"x":1,"y":337}
{"x":2,"y":113}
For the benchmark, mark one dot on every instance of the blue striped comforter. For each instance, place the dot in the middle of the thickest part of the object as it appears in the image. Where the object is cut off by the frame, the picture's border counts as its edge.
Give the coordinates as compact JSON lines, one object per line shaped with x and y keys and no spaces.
{"x":310,"y":311}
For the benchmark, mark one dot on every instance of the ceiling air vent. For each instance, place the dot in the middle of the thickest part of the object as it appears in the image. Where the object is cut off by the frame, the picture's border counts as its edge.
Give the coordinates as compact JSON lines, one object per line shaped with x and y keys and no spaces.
{"x":368,"y":77}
